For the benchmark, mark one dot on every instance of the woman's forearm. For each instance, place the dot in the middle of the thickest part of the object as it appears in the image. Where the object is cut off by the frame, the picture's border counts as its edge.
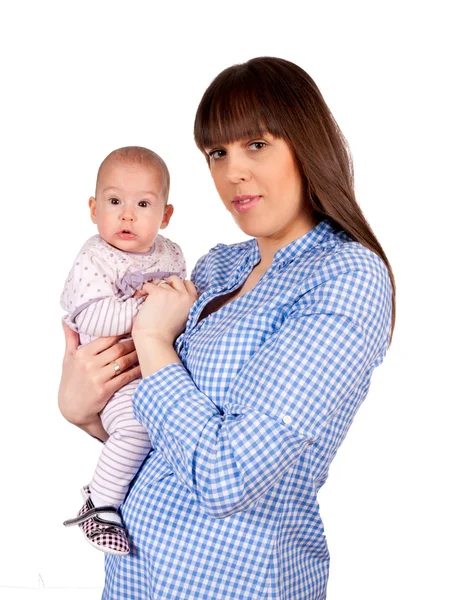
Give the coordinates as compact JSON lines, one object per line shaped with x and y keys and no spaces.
{"x":96,"y":430}
{"x":154,"y":353}
{"x":160,"y":321}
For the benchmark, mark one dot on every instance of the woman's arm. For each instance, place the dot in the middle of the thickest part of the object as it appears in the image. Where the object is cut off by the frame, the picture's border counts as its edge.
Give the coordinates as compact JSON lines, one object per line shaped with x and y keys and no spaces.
{"x":88,"y":379}
{"x":318,"y":362}
{"x":160,"y":321}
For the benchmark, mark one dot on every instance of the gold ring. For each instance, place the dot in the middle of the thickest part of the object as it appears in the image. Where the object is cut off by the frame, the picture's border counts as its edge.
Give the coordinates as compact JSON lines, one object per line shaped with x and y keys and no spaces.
{"x":162,"y":282}
{"x":116,"y":367}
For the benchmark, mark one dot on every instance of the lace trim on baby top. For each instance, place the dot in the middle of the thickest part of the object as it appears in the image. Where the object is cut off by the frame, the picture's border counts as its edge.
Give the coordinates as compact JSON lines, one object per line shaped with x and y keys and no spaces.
{"x":134,"y":281}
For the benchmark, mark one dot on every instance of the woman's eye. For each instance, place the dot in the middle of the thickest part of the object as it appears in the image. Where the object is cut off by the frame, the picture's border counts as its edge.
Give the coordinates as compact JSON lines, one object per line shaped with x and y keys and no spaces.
{"x":257,"y":145}
{"x":114,"y":201}
{"x":143,"y":203}
{"x":216,"y":154}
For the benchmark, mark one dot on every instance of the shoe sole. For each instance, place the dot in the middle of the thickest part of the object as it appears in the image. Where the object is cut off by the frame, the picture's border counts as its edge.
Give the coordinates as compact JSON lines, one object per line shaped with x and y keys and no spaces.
{"x":105,"y":550}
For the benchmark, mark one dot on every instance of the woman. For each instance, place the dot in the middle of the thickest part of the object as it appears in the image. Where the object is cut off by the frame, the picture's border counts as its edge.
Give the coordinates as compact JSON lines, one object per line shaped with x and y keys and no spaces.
{"x":276,"y":355}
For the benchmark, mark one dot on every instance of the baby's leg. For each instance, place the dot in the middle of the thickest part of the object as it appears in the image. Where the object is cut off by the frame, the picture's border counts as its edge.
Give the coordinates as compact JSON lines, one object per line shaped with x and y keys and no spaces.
{"x":124,"y":451}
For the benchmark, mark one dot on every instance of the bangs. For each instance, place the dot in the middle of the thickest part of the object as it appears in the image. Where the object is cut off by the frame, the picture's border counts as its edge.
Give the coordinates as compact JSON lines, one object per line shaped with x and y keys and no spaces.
{"x":236,"y":105}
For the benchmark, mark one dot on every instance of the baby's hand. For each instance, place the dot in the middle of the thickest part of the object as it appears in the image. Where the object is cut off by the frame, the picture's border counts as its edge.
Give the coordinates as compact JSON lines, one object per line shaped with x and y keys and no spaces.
{"x":141,"y":293}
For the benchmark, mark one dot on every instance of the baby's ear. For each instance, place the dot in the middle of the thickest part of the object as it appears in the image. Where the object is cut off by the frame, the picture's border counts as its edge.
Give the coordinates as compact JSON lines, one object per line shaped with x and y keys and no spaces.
{"x":93,"y":209}
{"x":167,"y":216}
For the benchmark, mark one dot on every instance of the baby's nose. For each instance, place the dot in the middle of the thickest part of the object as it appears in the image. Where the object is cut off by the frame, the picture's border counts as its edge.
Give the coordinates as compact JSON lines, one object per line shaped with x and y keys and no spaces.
{"x":127,"y":215}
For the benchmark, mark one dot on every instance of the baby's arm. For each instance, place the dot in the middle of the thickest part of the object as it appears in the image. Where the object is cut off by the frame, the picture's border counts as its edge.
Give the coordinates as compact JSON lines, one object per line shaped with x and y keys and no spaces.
{"x":107,"y":316}
{"x":97,"y":302}
{"x":91,"y":299}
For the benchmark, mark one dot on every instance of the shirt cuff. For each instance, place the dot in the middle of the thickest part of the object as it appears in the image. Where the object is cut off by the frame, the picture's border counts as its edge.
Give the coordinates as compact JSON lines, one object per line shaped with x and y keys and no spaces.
{"x":169,"y":396}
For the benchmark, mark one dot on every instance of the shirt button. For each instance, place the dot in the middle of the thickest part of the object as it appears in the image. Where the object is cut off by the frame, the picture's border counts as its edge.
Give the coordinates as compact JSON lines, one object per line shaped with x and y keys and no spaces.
{"x":287,"y":419}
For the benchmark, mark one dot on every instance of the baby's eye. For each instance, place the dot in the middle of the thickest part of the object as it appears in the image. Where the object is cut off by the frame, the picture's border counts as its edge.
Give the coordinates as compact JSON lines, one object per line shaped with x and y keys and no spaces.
{"x":216,"y":154}
{"x":114,"y":201}
{"x":143,"y":203}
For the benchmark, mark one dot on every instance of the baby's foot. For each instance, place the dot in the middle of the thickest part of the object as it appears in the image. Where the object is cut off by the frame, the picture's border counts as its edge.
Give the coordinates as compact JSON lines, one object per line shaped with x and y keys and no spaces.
{"x":107,"y":536}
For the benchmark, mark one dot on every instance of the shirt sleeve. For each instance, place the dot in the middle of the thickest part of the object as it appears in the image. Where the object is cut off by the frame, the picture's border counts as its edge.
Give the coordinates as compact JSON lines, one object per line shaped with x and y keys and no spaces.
{"x":279,"y":402}
{"x":108,"y":316}
{"x":200,"y":274}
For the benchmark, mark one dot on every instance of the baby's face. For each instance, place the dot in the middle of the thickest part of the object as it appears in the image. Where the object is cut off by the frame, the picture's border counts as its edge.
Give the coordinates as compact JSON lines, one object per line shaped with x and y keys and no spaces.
{"x":129,"y":208}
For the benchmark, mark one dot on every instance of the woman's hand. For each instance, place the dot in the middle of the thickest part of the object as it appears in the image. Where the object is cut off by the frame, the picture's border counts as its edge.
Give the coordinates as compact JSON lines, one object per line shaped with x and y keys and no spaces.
{"x":161,"y":318}
{"x":164,"y":313}
{"x":89,"y":378}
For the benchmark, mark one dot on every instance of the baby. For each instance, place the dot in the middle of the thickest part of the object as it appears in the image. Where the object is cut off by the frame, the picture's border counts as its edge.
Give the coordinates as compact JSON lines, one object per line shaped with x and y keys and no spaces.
{"x":102,"y":296}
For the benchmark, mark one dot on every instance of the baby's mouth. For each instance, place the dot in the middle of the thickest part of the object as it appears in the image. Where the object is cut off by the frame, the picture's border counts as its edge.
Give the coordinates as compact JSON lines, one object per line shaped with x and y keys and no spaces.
{"x":126,"y":234}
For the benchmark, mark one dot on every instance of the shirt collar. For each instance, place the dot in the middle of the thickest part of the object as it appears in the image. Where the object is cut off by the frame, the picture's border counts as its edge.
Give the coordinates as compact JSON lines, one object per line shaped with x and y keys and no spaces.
{"x":319,"y":234}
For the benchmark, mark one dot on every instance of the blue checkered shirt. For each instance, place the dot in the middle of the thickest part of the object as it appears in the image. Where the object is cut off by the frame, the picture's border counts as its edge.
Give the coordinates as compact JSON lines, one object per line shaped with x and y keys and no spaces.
{"x":244,"y":430}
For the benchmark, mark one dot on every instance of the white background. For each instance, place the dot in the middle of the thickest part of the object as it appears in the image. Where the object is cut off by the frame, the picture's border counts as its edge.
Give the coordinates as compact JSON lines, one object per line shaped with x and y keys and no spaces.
{"x":80,"y":79}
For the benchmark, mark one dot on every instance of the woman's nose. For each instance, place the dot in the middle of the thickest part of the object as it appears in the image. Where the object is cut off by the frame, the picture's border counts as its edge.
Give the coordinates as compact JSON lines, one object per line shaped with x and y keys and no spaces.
{"x":237,"y":168}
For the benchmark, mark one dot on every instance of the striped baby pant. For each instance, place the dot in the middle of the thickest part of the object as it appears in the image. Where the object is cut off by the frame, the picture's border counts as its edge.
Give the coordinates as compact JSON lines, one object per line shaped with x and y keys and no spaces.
{"x":124,"y":451}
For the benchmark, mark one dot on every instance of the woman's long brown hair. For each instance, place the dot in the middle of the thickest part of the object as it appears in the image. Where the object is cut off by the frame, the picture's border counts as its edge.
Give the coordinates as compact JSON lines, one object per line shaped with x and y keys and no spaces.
{"x":276,"y":96}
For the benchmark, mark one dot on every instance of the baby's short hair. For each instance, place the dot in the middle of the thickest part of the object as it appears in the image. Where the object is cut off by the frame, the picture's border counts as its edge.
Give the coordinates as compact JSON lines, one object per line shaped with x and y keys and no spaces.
{"x":139,"y":156}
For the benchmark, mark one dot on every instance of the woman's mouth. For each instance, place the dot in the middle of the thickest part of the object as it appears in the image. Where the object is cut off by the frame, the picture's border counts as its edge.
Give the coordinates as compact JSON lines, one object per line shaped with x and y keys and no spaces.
{"x":245,"y":203}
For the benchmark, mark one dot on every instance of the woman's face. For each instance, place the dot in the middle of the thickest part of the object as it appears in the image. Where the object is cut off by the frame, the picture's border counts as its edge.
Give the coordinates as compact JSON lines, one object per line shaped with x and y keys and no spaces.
{"x":259,"y":182}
